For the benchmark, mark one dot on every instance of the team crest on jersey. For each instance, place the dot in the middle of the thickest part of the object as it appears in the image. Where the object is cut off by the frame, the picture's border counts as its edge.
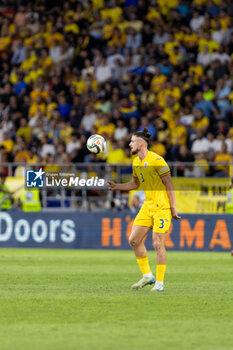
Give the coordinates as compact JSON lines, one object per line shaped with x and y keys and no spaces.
{"x":145,"y":164}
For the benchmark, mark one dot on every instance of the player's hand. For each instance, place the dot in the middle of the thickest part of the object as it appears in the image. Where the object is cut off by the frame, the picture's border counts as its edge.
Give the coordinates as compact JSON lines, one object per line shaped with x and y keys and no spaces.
{"x":111,"y":185}
{"x":175,"y":214}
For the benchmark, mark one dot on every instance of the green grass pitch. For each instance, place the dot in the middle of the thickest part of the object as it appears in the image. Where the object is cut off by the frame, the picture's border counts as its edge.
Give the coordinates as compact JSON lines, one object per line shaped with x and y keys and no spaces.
{"x":54,"y":299}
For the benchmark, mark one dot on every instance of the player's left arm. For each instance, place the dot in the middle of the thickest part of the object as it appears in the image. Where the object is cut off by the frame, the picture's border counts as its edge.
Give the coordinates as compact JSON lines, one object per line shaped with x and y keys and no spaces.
{"x":167,"y":181}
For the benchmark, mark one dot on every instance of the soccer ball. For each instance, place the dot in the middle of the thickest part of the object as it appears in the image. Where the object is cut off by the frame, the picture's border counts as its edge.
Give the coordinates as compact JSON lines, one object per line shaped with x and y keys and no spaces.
{"x":96,"y":144}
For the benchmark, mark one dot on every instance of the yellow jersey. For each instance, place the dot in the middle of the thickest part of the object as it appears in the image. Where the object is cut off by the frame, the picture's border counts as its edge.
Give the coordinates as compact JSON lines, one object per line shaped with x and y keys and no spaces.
{"x":149,"y":172}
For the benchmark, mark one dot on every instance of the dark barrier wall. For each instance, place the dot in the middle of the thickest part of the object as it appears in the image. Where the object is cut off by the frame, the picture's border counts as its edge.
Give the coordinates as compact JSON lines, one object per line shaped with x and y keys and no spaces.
{"x":109,"y":231}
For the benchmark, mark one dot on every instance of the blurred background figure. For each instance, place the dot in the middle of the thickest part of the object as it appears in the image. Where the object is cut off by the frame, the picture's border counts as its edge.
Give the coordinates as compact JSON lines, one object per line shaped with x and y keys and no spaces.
{"x":6,"y":199}
{"x":136,"y":201}
{"x":229,"y":203}
{"x":30,"y":200}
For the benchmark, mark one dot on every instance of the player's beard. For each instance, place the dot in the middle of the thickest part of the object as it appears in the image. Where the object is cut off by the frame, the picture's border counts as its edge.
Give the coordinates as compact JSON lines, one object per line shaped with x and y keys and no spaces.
{"x":134,"y":151}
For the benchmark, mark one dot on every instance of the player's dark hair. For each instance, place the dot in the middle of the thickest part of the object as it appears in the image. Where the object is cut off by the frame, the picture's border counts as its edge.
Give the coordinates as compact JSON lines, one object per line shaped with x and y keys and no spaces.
{"x":144,"y":135}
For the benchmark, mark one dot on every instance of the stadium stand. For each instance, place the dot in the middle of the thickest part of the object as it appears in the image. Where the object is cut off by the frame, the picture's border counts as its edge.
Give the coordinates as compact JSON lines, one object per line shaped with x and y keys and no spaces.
{"x":70,"y":69}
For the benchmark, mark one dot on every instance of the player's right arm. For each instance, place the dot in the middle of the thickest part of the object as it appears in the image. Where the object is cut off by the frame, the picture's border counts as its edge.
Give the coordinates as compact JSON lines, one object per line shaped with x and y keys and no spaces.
{"x":167,"y":181}
{"x":128,"y":186}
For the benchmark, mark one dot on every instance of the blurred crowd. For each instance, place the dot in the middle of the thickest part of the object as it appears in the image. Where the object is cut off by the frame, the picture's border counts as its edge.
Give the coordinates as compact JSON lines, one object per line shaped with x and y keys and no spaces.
{"x":75,"y":68}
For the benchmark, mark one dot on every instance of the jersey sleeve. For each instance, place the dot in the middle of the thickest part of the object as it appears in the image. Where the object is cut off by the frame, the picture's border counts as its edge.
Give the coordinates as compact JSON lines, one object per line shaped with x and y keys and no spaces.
{"x":162,"y":168}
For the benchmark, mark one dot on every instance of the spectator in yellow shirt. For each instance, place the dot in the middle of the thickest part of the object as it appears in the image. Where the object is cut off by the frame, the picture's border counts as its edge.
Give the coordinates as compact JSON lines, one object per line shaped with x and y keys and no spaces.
{"x":38,"y":104}
{"x":170,"y":44}
{"x":122,"y":24}
{"x":197,"y":69}
{"x":114,"y":12}
{"x":158,"y":147}
{"x":222,"y":170}
{"x":153,"y":13}
{"x":71,"y":26}
{"x":163,"y":132}
{"x":32,"y":157}
{"x":158,"y":80}
{"x":54,"y":36}
{"x":118,"y":38}
{"x":190,"y":38}
{"x":176,"y":57}
{"x":51,"y":106}
{"x":34,"y":73}
{"x":65,"y":131}
{"x":106,"y":127}
{"x":116,"y":155}
{"x":5,"y":40}
{"x":79,"y":84}
{"x":179,"y":133}
{"x":207,"y":41}
{"x":178,"y":137}
{"x":24,"y":130}
{"x":200,"y":121}
{"x":27,"y":64}
{"x":107,"y":29}
{"x":45,"y":61}
{"x":224,"y":20}
{"x":7,"y":142}
{"x":39,"y":89}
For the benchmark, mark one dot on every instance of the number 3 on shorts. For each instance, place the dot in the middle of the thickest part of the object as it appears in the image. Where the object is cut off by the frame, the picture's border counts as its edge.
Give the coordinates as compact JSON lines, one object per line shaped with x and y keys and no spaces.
{"x":162,"y":223}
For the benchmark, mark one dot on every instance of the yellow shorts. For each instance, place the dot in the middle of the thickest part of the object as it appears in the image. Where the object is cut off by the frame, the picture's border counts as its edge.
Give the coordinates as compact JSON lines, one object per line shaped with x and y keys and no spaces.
{"x":158,"y":220}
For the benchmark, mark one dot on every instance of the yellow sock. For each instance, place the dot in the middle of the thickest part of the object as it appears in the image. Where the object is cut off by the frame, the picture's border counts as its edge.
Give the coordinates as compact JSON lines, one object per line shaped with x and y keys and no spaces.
{"x":143,"y":263}
{"x":160,"y":272}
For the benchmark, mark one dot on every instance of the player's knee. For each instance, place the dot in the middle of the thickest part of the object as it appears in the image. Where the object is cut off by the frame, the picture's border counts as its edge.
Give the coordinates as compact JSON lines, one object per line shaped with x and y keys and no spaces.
{"x":133,"y":242}
{"x":157,"y":245}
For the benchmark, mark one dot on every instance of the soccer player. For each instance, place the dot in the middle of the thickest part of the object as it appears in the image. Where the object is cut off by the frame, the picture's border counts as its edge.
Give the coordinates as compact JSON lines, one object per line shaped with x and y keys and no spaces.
{"x":152,"y":174}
